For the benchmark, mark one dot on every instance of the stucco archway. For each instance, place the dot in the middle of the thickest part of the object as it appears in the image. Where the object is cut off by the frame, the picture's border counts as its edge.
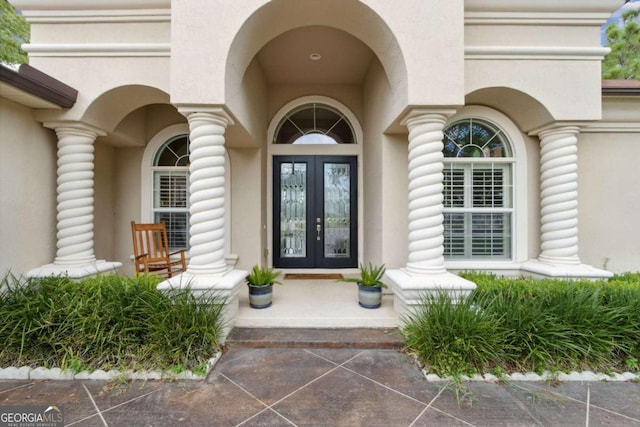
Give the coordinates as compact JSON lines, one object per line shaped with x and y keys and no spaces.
{"x":524,"y":109}
{"x":356,"y":23}
{"x":111,"y":107}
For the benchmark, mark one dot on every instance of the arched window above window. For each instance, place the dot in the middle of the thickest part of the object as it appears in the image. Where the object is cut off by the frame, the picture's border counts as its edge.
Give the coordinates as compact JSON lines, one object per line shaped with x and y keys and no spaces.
{"x":174,"y":152}
{"x":477,"y":191}
{"x":314,"y":124}
{"x":171,"y":189}
{"x":475,"y":138}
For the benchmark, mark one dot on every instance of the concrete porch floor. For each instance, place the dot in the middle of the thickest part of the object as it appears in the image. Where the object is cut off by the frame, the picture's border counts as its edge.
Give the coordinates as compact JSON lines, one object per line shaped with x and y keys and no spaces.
{"x":316,"y":304}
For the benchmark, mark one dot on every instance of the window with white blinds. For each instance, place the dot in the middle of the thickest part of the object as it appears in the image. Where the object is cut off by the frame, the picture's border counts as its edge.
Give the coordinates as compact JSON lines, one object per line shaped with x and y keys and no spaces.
{"x":171,"y":190}
{"x":477,"y":192}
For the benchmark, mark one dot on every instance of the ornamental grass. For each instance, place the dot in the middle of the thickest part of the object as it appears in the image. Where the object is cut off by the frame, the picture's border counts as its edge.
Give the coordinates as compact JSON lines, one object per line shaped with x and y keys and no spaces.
{"x":530,"y":325}
{"x":104,"y":323}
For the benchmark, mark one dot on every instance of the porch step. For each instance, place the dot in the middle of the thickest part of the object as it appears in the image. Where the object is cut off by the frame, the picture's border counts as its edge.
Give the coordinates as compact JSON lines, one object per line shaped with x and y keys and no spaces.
{"x":360,"y":338}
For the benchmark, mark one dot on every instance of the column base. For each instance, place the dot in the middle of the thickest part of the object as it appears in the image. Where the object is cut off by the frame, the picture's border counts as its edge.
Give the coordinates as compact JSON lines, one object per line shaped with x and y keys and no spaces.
{"x":226,"y":286}
{"x":76,"y":271}
{"x":570,"y":271}
{"x":409,"y":290}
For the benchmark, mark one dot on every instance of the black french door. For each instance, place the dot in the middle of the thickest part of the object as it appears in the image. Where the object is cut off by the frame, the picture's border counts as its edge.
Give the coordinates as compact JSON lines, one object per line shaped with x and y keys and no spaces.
{"x":315,"y":212}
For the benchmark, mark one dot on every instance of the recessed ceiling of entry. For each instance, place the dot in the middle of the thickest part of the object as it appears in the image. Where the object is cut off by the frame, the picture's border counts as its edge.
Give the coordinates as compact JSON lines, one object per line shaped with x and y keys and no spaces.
{"x":286,"y":58}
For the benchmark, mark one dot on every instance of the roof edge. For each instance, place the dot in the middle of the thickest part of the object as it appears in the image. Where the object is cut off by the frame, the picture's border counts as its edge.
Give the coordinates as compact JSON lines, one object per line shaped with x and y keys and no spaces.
{"x":621,"y":87}
{"x":37,"y":83}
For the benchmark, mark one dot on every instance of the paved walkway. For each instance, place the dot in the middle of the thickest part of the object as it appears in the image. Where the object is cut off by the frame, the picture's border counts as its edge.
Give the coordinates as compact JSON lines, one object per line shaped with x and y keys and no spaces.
{"x":320,"y":386}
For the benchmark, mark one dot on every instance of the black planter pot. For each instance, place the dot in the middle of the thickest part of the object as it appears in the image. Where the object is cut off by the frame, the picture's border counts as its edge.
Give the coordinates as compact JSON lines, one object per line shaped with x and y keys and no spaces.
{"x":369,"y":296}
{"x":260,"y":296}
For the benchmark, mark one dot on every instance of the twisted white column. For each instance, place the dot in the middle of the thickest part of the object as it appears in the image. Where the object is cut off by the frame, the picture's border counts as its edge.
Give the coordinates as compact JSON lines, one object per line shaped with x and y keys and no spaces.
{"x":559,"y":195}
{"x":75,"y":194}
{"x":207,"y":191}
{"x":425,"y":193}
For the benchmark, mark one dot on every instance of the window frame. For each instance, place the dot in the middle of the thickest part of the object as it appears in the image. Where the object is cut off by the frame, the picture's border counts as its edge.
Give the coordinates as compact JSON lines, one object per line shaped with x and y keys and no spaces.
{"x":171,"y":171}
{"x":516,"y":139}
{"x":291,"y":119}
{"x":468,"y":166}
{"x":146,"y":178}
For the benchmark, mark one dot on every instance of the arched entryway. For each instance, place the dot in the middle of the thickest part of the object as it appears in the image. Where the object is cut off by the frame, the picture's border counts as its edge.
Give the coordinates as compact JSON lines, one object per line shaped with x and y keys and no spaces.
{"x":314,"y":148}
{"x":346,"y":71}
{"x":324,"y":89}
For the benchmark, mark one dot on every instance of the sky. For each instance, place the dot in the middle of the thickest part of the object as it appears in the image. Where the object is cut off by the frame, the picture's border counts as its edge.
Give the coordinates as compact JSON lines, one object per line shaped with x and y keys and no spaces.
{"x":617,"y":17}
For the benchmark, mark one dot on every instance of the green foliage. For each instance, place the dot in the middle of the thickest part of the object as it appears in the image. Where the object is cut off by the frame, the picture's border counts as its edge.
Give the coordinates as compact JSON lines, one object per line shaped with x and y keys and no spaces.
{"x":541,"y":325}
{"x":623,"y":62}
{"x":370,"y":275}
{"x":262,"y":276}
{"x":105,"y":322}
{"x":453,"y":339}
{"x":14,"y":31}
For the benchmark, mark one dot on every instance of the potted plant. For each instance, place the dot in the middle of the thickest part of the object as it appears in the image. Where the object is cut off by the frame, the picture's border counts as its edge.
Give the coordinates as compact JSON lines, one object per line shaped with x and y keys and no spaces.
{"x":369,"y":285}
{"x":260,"y":281}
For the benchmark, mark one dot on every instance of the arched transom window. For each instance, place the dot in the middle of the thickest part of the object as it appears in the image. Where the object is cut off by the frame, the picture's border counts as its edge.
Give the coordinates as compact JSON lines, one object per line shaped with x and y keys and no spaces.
{"x":171,"y":190}
{"x":478,"y":191}
{"x":314,"y":124}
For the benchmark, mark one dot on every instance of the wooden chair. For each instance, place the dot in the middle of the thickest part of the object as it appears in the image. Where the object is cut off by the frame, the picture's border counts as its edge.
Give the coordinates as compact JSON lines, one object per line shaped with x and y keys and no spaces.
{"x":151,"y":251}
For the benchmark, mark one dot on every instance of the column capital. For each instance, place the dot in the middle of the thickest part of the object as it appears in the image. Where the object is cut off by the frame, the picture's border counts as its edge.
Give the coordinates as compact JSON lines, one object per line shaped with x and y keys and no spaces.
{"x":74,"y":125}
{"x":426,"y":115}
{"x":555,"y":129}
{"x":220,"y":112}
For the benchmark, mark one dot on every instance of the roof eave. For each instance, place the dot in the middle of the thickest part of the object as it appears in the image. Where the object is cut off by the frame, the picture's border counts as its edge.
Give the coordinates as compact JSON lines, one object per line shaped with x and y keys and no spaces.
{"x":39,"y":84}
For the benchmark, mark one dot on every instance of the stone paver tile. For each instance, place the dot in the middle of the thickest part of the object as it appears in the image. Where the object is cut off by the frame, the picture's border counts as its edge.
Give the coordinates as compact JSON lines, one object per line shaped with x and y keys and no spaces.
{"x":271,"y":374}
{"x":108,"y":394}
{"x":598,"y":417}
{"x":232,"y":353}
{"x":342,"y":398}
{"x":606,"y":408}
{"x":434,"y":418}
{"x":188,"y":404}
{"x":94,"y":421}
{"x":267,"y":418}
{"x":9,"y":385}
{"x":626,"y":401}
{"x":546,"y":408}
{"x":337,"y":356}
{"x":395,"y":370}
{"x":69,"y":394}
{"x":484,"y":404}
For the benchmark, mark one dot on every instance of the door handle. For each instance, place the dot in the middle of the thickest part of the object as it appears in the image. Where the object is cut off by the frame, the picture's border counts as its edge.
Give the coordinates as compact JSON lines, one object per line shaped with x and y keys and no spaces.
{"x":318,"y":230}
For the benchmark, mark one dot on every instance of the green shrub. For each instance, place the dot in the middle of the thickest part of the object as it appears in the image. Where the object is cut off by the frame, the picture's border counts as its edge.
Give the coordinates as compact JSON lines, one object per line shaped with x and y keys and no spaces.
{"x":544,"y":324}
{"x":453,"y":338}
{"x":105,"y":322}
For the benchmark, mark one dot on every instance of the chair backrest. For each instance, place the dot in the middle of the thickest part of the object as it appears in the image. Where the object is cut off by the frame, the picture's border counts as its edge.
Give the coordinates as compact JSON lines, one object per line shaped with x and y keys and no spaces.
{"x":150,"y":239}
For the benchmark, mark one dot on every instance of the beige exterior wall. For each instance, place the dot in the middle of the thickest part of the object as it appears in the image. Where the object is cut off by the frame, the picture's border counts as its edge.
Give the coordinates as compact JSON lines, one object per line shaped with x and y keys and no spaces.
{"x":104,"y":201}
{"x":27,"y":190}
{"x":248,"y":235}
{"x":133,"y":74}
{"x":127,"y":193}
{"x":385,"y":162}
{"x":609,"y":200}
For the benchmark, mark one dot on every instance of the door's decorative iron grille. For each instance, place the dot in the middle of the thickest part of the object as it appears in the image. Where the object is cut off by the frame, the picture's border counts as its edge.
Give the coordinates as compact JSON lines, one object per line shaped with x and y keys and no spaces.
{"x":293,"y":210}
{"x":337,"y":210}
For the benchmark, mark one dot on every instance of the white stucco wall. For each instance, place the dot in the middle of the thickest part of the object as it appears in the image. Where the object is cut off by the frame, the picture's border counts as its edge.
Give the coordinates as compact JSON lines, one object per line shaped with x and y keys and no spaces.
{"x":609,"y":200}
{"x":385,"y":162}
{"x":127,"y":70}
{"x":389,"y":31}
{"x":27,"y":190}
{"x":248,"y":235}
{"x":98,"y":47}
{"x":104,"y":201}
{"x":127,"y":195}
